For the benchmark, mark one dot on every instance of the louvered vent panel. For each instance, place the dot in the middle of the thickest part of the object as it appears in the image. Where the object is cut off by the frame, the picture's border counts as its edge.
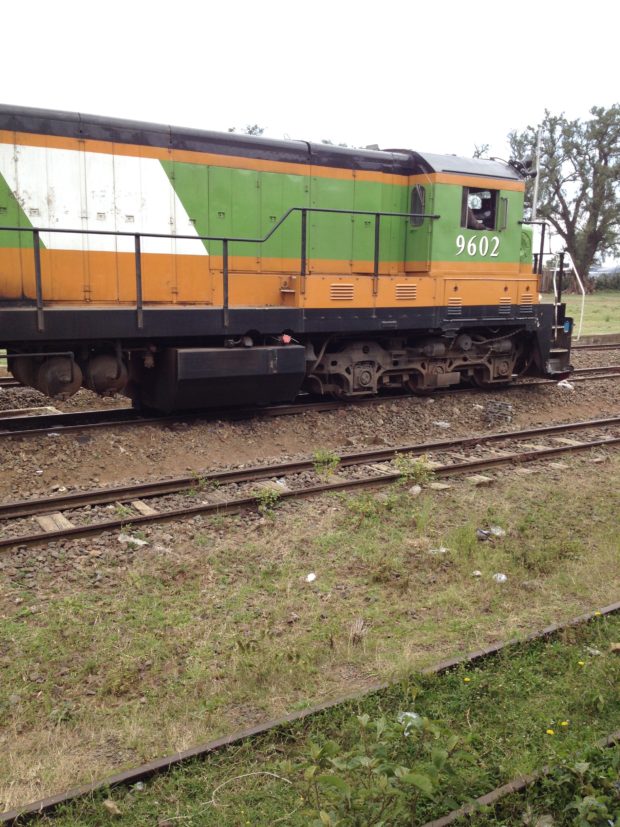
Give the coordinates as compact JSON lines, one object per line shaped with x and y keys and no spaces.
{"x":340,"y":292}
{"x":505,"y":304}
{"x":406,"y":292}
{"x":454,"y":306}
{"x":527,"y":303}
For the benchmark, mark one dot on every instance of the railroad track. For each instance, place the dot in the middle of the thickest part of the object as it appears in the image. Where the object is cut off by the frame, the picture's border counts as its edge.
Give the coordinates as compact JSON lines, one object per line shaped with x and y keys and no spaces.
{"x":45,"y":807}
{"x":9,"y":382}
{"x":79,"y":514}
{"x":599,"y":346}
{"x":28,"y":422}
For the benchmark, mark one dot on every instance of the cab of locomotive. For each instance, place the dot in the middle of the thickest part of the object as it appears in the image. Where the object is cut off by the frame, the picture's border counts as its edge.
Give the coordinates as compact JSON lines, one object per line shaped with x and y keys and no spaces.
{"x":479,"y":254}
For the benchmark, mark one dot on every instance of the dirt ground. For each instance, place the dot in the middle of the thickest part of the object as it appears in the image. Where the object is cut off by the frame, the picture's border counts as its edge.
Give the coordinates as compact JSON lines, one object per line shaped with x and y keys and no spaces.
{"x":37,"y":466}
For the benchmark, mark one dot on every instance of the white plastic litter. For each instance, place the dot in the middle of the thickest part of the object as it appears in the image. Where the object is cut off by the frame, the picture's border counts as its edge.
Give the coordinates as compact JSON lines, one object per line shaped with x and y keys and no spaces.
{"x":440,"y":550}
{"x":476,"y":573}
{"x":499,"y":577}
{"x":407,"y":718}
{"x":310,"y":578}
{"x":134,"y":541}
{"x":566,"y":385}
{"x":497,"y":531}
{"x":441,"y":423}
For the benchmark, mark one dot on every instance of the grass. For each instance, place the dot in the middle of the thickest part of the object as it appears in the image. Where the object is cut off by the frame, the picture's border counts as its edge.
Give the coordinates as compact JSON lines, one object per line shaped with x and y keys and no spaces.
{"x":602,"y":311}
{"x":181,"y":645}
{"x":533,"y":705}
{"x":325,"y":463}
{"x":583,"y":786}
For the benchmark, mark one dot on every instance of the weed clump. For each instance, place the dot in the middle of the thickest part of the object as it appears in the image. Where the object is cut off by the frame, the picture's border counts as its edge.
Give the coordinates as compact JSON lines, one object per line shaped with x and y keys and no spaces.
{"x":267,"y":499}
{"x":416,"y":470}
{"x":325,"y":463}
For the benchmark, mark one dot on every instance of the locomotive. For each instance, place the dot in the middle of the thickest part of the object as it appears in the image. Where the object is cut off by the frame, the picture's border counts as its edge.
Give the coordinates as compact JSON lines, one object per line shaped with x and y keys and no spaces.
{"x":186,"y":268}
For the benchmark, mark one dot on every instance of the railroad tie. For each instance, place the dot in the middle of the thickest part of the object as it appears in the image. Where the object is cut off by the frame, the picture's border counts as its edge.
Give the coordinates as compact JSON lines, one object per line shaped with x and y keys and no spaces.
{"x":54,"y":522}
{"x":143,"y":508}
{"x":382,"y":467}
{"x":26,"y":412}
{"x":564,"y":440}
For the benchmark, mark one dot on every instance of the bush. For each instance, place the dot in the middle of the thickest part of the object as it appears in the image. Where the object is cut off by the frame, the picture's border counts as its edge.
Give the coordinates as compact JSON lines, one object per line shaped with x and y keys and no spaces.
{"x":607,"y":281}
{"x":382,"y":777}
{"x":578,"y":793}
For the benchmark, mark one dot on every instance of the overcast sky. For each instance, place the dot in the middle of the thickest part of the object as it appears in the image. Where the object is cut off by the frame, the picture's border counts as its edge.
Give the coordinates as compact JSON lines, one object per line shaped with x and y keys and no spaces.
{"x":438,"y":76}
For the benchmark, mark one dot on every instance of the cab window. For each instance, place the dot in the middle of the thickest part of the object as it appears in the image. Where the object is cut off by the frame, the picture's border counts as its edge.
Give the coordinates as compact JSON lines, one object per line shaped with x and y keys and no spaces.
{"x":479,"y":209}
{"x":418,"y":198}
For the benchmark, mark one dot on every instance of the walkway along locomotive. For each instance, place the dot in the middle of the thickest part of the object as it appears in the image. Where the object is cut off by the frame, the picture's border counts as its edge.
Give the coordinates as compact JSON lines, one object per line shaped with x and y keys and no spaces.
{"x":187,"y":268}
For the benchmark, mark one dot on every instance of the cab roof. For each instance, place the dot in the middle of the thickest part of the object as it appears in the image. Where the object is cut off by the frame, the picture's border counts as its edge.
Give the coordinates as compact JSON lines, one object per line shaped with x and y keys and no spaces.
{"x":456,"y":165}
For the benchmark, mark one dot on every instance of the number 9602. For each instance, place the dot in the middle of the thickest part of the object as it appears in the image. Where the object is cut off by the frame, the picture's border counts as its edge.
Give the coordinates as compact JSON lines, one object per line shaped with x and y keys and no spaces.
{"x":482,"y":246}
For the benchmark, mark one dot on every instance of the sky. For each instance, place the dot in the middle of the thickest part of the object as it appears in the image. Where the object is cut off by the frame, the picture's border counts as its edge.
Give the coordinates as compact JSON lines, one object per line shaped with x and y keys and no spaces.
{"x":438,"y":76}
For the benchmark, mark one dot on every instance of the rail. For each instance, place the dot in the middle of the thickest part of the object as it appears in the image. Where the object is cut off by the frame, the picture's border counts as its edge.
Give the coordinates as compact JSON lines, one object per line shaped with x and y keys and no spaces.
{"x":225,"y":240}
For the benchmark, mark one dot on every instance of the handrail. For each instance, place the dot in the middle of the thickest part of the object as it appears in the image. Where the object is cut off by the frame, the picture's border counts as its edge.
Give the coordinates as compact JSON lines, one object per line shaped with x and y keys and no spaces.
{"x":226,"y":240}
{"x":543,"y":225}
{"x":583,"y":293}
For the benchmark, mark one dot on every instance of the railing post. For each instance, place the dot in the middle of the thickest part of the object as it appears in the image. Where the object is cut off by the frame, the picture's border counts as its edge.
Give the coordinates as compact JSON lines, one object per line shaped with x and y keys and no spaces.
{"x":139,"y":307}
{"x":36,"y":247}
{"x":225,"y":279}
{"x":542,"y":248}
{"x":560,"y":278}
{"x":304,"y":250}
{"x":375,"y":282}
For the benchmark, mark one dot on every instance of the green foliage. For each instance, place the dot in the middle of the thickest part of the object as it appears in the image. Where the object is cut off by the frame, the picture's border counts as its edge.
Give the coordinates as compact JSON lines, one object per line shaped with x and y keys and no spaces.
{"x":579,"y":793}
{"x":413,"y":469}
{"x":249,"y":129}
{"x":200,"y":484}
{"x":267,"y":499}
{"x":579,"y":180}
{"x":381,"y":777}
{"x":325,"y":462}
{"x":608,"y":281}
{"x":365,"y":509}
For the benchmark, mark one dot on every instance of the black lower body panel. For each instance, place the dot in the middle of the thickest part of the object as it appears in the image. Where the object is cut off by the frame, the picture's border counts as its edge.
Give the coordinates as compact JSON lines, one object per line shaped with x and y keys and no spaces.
{"x":184,"y":378}
{"x":87,"y":324}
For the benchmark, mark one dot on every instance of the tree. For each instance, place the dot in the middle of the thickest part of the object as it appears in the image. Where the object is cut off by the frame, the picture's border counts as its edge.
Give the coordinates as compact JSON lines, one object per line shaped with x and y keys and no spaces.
{"x":329,"y":142}
{"x":250,"y":129}
{"x":481,"y":151}
{"x":579,"y":183}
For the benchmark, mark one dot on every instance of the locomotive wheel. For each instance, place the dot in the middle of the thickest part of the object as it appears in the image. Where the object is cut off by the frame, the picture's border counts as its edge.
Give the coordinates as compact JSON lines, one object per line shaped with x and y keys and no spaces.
{"x":480,"y":382}
{"x":415,"y":385}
